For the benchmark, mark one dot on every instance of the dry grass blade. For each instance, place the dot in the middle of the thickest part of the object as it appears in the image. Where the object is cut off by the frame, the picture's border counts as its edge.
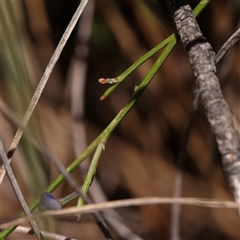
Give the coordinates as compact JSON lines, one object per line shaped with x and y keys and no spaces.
{"x":43,"y":82}
{"x":227,"y":45}
{"x":126,"y":203}
{"x":26,"y":230}
{"x":17,"y":190}
{"x":101,"y":223}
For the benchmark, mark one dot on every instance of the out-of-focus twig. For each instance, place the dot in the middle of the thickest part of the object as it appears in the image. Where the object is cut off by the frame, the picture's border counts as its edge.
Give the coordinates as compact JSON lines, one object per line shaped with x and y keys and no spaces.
{"x":227,"y":45}
{"x":176,"y":208}
{"x":17,"y":189}
{"x":43,"y":82}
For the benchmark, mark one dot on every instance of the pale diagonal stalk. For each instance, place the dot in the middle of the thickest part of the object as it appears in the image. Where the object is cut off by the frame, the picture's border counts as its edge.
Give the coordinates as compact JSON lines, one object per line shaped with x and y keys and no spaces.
{"x":18,"y":87}
{"x":118,"y":80}
{"x":108,"y":130}
{"x":199,"y":202}
{"x":227,"y":45}
{"x":99,"y":220}
{"x":43,"y":82}
{"x":17,"y":189}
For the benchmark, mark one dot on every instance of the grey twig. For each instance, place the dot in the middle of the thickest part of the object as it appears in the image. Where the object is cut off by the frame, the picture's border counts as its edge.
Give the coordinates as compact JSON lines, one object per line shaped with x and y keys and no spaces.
{"x":202,"y":60}
{"x":227,"y":45}
{"x":17,"y":190}
{"x":176,"y":209}
{"x":43,"y":82}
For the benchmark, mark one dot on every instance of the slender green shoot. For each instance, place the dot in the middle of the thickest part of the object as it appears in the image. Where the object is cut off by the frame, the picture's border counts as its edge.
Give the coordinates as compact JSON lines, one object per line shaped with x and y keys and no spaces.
{"x":118,"y":80}
{"x":91,"y":173}
{"x":67,"y":199}
{"x":107,"y":131}
{"x":200,"y":7}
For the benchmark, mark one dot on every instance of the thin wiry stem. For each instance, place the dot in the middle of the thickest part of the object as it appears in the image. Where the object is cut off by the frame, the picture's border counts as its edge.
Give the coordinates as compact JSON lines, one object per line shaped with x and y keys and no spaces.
{"x":109,"y":129}
{"x":43,"y":82}
{"x":102,"y":225}
{"x":91,"y":172}
{"x":17,"y":189}
{"x":227,"y":45}
{"x":200,"y":202}
{"x":118,"y":224}
{"x":61,"y":169}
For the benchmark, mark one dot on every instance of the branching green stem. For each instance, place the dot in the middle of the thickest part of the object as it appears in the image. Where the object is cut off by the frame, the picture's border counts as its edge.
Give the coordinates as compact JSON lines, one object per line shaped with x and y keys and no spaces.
{"x":106,"y":133}
{"x":118,"y":80}
{"x":132,"y":68}
{"x":109,"y":129}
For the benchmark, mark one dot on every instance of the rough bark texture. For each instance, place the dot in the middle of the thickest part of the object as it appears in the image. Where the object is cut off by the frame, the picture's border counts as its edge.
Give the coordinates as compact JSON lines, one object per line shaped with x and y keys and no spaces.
{"x":201,"y":57}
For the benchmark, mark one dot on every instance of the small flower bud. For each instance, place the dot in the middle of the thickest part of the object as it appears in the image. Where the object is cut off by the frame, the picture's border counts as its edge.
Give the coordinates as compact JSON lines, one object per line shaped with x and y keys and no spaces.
{"x":49,"y":202}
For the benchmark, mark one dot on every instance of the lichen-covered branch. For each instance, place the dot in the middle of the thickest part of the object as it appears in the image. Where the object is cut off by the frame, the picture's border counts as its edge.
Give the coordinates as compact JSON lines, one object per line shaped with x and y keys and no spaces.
{"x":201,"y":57}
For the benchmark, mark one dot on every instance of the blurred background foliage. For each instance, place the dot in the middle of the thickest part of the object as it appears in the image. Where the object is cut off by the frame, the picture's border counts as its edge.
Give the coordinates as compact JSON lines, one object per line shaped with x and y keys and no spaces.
{"x":140,"y":157}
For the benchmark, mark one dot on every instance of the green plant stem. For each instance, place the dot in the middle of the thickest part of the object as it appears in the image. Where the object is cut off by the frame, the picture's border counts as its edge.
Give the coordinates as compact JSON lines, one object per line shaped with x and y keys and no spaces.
{"x":133,"y":67}
{"x":118,"y":80}
{"x":106,"y":133}
{"x":200,"y":7}
{"x":108,"y":130}
{"x":67,"y":199}
{"x":91,"y":172}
